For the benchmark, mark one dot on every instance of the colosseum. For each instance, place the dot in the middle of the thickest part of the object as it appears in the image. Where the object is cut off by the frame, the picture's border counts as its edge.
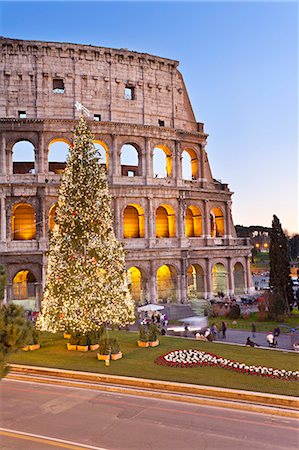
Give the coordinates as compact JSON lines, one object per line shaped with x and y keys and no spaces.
{"x":172,"y":216}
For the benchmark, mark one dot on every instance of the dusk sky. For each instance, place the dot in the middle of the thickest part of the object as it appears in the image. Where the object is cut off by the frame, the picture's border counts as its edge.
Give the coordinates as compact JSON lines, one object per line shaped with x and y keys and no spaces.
{"x":240,"y":64}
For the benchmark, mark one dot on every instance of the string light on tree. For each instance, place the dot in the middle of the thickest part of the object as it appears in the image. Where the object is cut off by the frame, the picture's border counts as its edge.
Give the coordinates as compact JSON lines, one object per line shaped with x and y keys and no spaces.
{"x":86,"y":284}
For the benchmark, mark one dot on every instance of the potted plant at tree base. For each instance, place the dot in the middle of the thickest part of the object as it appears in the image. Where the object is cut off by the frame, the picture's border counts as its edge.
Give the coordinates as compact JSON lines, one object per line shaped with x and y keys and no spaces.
{"x":67,"y":335}
{"x":153,"y":335}
{"x":94,"y":339}
{"x":104,"y":350}
{"x":74,"y":339}
{"x":82,"y":345}
{"x":143,"y":337}
{"x":115,"y":351}
{"x":34,"y":340}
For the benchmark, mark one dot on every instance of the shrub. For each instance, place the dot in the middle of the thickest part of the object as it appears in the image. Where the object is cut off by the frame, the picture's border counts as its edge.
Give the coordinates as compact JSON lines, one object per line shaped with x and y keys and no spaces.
{"x":153,"y":332}
{"x":108,"y":346}
{"x":75,"y":337}
{"x":143,"y":334}
{"x":34,"y":336}
{"x":234,"y":312}
{"x":95,"y":336}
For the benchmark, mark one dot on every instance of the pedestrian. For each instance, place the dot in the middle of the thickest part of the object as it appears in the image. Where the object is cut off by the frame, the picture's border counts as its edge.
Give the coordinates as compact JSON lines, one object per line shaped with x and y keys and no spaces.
{"x":253,"y":329}
{"x":276,"y":332}
{"x":223,"y":328}
{"x":218,"y":330}
{"x":213,"y":330}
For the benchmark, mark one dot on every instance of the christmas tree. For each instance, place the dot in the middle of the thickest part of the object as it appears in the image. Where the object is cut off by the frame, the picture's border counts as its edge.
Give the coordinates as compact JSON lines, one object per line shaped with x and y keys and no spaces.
{"x":86,"y":283}
{"x":280,"y":280}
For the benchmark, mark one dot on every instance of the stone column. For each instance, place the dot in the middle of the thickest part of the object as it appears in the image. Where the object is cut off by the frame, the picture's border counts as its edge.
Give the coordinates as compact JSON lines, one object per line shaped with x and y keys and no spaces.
{"x":231,"y":281}
{"x":111,"y":158}
{"x":151,"y":222}
{"x":181,"y":218}
{"x":184,"y":297}
{"x":116,"y":170}
{"x":208,"y":280}
{"x":152,"y":284}
{"x":3,"y":218}
{"x":42,"y":157}
{"x":227,"y":230}
{"x":248,"y":277}
{"x":177,"y":162}
{"x":3,"y":167}
{"x":206,"y":220}
{"x":44,"y":271}
{"x":148,"y":159}
{"x":202,"y":174}
{"x":179,"y":288}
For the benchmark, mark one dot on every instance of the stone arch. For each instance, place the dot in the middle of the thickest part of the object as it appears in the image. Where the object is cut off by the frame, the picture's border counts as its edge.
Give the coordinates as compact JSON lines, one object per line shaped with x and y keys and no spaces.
{"x":195,"y":281}
{"x":52,"y":212}
{"x":193,"y":221}
{"x":239,"y":278}
{"x":130,"y":160}
{"x":58,"y":150}
{"x":136,"y":280}
{"x":24,"y":289}
{"x":162,"y":161}
{"x":23,"y":157}
{"x":133,"y":222}
{"x":23,"y":224}
{"x":165,"y":221}
{"x":166,"y":282}
{"x":190,"y":164}
{"x":219,"y":279}
{"x":103,"y":151}
{"x":217,"y":222}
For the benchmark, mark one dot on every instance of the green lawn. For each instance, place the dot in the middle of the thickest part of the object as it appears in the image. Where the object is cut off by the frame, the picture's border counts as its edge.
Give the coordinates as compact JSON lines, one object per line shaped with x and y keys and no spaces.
{"x":266,"y":325}
{"x":138,"y":362}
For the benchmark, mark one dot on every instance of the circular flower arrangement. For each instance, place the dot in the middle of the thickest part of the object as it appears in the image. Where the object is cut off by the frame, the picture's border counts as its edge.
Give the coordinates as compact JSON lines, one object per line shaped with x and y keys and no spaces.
{"x":192,"y":358}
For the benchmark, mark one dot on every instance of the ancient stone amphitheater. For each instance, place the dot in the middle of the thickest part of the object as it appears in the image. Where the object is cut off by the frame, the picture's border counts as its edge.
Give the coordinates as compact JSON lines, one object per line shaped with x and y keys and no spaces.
{"x":172,"y":216}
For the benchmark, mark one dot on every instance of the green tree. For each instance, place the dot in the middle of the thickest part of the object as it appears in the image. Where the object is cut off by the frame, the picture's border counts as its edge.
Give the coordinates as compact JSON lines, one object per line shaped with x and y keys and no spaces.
{"x":15,"y":332}
{"x":86,"y":283}
{"x":2,"y":282}
{"x":280,"y":280}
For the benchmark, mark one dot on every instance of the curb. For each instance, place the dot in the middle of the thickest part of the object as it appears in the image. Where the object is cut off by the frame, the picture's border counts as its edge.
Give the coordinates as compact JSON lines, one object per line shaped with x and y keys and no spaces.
{"x":210,"y":396}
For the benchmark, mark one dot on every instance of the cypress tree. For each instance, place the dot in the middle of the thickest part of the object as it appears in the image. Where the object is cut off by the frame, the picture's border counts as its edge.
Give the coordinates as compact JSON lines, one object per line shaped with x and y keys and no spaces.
{"x":280,"y":280}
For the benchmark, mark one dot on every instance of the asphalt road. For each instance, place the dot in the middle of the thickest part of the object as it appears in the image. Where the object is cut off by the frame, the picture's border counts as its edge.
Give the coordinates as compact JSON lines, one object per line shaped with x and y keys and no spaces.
{"x":74,"y":418}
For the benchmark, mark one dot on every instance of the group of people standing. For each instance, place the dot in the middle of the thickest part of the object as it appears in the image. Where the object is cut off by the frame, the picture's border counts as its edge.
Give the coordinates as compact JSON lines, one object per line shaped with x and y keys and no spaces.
{"x":218,"y":329}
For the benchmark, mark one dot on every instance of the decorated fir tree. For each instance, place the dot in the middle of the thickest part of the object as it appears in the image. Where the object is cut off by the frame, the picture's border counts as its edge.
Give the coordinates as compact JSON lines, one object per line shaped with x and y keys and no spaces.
{"x":280,"y":280}
{"x":86,"y":283}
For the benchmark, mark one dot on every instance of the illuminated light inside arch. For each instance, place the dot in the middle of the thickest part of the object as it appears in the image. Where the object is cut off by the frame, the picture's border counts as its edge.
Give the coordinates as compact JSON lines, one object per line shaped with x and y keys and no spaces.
{"x":133,"y":221}
{"x":190,"y":168}
{"x":52,"y":213}
{"x":193,"y":222}
{"x":217,"y":222}
{"x":162,"y":162}
{"x":23,"y":285}
{"x":239,"y":278}
{"x":23,"y":226}
{"x":166,"y":280}
{"x":165,"y":222}
{"x":103,"y":153}
{"x":219,"y":279}
{"x":195,"y":279}
{"x":23,"y":157}
{"x":135,"y":283}
{"x":58,"y":153}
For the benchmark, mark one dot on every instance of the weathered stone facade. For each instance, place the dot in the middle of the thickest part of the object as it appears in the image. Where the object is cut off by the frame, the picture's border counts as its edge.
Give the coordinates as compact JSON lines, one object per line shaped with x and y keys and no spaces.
{"x":137,"y":99}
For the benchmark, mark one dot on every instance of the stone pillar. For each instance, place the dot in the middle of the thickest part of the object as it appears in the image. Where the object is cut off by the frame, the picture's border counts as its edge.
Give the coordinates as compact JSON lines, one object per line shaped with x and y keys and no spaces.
{"x":152,"y":285}
{"x":179,"y":288}
{"x":181,"y":218}
{"x":148,"y":159}
{"x":111,"y":158}
{"x":40,"y":167}
{"x":202,"y":164}
{"x":231,"y":281}
{"x":3,"y":166}
{"x":208,"y":280}
{"x":206,"y":220}
{"x":248,"y":277}
{"x":44,"y":271}
{"x":116,"y":169}
{"x":151,"y":222}
{"x":227,"y":230}
{"x":3,"y":218}
{"x":184,"y":297}
{"x":177,"y":162}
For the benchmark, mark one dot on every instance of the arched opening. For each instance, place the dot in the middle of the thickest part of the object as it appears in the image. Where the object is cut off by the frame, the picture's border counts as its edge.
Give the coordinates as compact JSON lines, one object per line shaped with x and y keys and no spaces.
{"x":217,"y":223}
{"x":219,"y":279}
{"x":193,"y":224}
{"x":189,"y":164}
{"x":129,"y":160}
{"x":23,"y":157}
{"x":239,"y":279}
{"x":165,"y":222}
{"x":24,"y":289}
{"x":52,"y":213}
{"x":195,"y":282}
{"x":58,"y":153}
{"x":102,"y":150}
{"x":23,"y":226}
{"x":133,"y":221}
{"x":166,"y":280}
{"x":162,"y":162}
{"x":135,"y":283}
